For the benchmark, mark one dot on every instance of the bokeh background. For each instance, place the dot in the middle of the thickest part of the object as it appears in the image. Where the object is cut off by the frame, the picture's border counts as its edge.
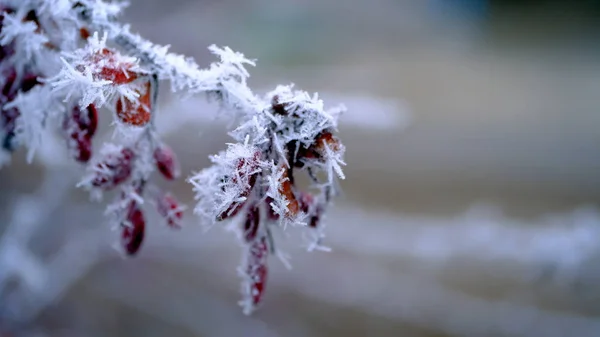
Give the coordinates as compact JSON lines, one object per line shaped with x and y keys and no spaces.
{"x":469,"y":208}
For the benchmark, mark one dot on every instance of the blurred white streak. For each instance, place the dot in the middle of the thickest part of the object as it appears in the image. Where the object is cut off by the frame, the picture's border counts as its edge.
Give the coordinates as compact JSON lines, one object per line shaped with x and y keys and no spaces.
{"x":192,"y":111}
{"x":52,"y":151}
{"x":362,"y":282}
{"x":398,"y":295}
{"x":561,"y":242}
{"x":201,"y":312}
{"x":29,"y":212}
{"x":369,"y":112}
{"x":43,"y":282}
{"x":364,"y":112}
{"x":80,"y":252}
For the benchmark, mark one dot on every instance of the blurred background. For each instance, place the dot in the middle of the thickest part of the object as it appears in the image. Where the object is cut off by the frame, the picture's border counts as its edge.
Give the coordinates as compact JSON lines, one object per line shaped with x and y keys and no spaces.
{"x":469,"y":208}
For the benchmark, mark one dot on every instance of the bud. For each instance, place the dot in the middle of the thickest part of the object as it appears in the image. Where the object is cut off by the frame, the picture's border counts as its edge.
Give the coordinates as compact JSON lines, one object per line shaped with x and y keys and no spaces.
{"x":80,"y":127}
{"x":82,"y":122}
{"x":115,"y":169}
{"x":87,"y":121}
{"x":133,"y":230}
{"x":168,"y":207}
{"x":246,"y":173}
{"x":256,"y":273}
{"x":166,"y":162}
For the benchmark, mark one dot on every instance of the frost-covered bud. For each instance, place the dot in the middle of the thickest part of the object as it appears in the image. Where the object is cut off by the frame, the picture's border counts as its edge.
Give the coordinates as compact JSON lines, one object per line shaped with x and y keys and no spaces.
{"x":79,"y":127}
{"x":82,"y":149}
{"x":114,"y":169}
{"x":168,"y":207}
{"x":247,"y":171}
{"x":256,"y":274}
{"x":318,"y":149}
{"x":243,"y":178}
{"x":327,"y":139}
{"x":133,"y":229}
{"x":166,"y":162}
{"x":83,"y":121}
{"x":136,"y":113}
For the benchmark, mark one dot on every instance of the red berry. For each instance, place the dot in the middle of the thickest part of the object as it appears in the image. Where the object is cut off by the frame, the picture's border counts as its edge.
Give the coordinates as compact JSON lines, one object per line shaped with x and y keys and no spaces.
{"x":89,"y":120}
{"x":113,"y":70}
{"x":135,"y":113}
{"x":109,"y":67}
{"x":168,"y":207}
{"x":166,"y":162}
{"x":133,"y":230}
{"x":79,"y":122}
{"x":80,"y":127}
{"x":114,"y":170}
{"x":257,"y":270}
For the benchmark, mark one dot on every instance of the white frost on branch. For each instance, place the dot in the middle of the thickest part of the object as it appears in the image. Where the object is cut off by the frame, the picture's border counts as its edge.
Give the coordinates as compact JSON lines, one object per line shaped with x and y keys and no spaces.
{"x":13,"y":27}
{"x":80,"y":53}
{"x":34,"y":107}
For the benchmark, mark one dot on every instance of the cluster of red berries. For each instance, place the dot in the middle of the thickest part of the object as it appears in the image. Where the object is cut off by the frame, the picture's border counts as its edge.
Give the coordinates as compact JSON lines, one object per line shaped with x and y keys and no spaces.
{"x":116,"y":168}
{"x":248,"y":174}
{"x":80,"y":125}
